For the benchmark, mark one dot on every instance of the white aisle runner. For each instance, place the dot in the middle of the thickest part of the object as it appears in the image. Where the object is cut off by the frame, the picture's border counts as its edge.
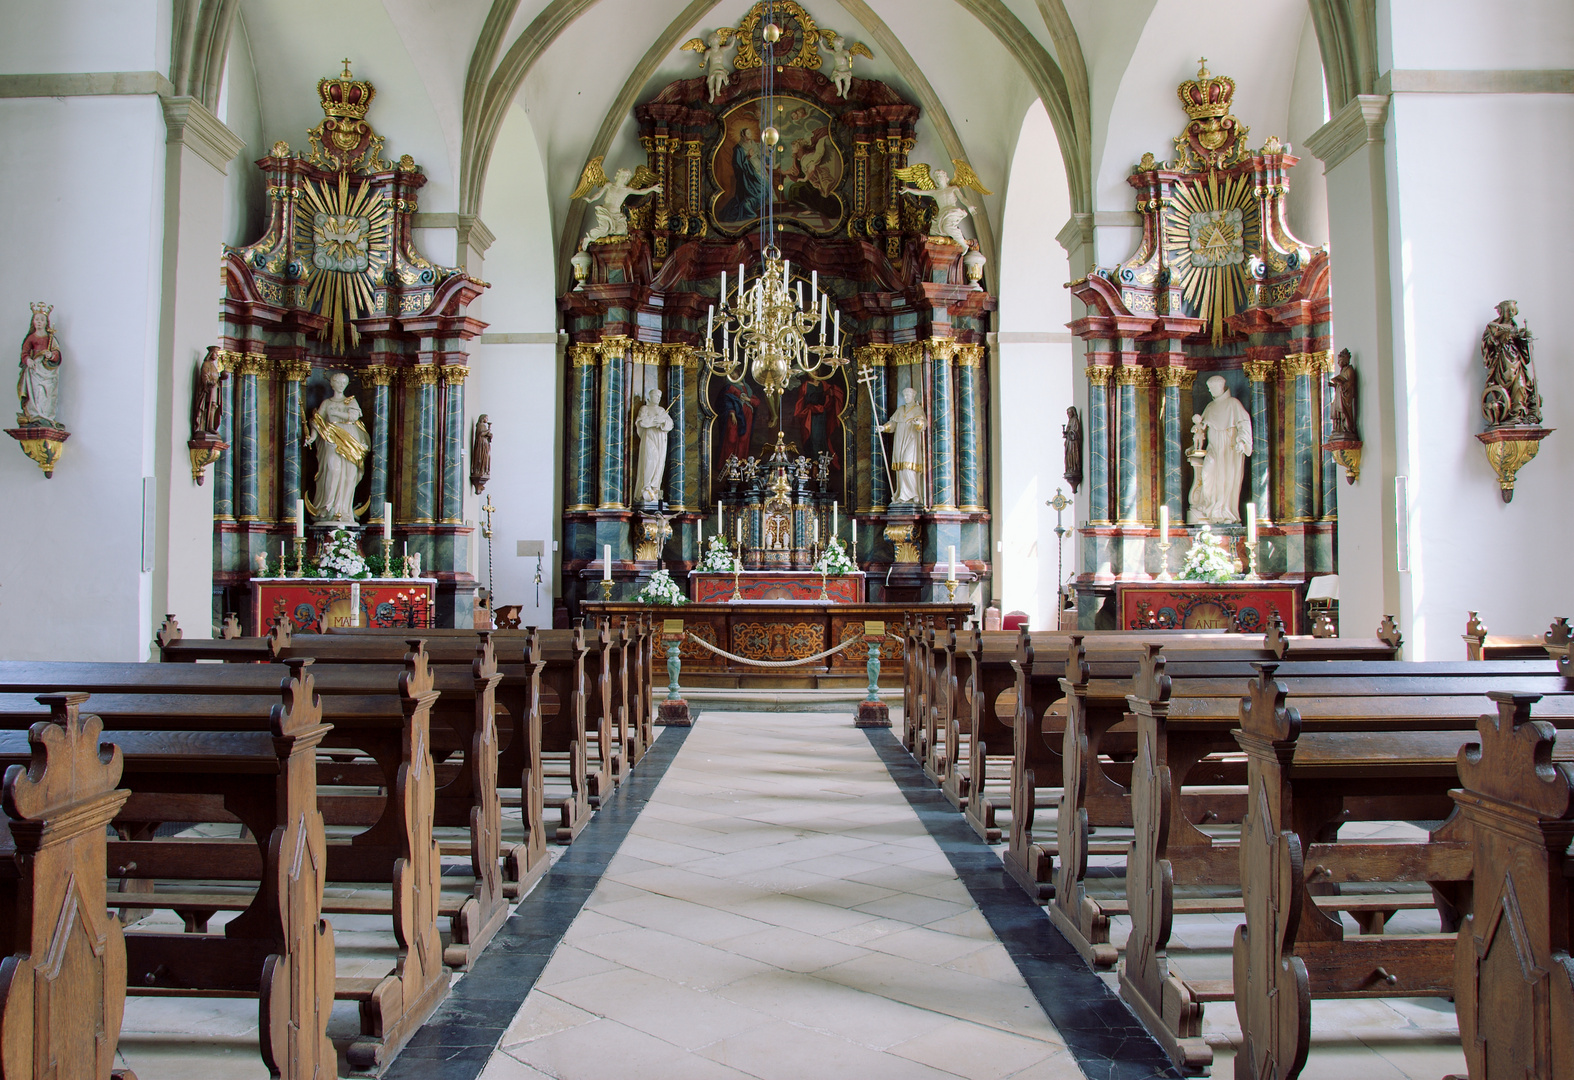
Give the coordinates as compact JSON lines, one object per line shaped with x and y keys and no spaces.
{"x":779,"y":912}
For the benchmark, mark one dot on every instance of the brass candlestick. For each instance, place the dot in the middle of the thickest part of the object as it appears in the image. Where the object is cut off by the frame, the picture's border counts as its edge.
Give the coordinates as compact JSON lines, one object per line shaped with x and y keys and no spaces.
{"x":1251,"y":555}
{"x":388,"y":570}
{"x":300,"y":557}
{"x":823,"y":594}
{"x":737,"y":573}
{"x":1164,"y":561}
{"x":606,"y":588}
{"x":950,"y":590}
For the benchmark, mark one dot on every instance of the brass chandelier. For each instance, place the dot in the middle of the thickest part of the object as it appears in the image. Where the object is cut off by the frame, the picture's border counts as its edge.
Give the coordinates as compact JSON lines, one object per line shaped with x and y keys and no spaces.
{"x":767,"y":331}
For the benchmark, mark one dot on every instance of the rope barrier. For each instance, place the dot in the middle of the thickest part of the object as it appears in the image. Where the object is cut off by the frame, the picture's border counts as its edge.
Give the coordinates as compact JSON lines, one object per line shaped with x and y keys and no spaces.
{"x":772,"y":663}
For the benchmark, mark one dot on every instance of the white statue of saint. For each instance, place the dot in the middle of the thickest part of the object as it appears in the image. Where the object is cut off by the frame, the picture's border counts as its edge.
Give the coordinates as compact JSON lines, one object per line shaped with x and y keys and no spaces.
{"x":342,"y":450}
{"x":907,"y":449}
{"x":608,"y":202}
{"x":1216,"y":494}
{"x":951,"y":207}
{"x":651,"y":425}
{"x":842,"y":54}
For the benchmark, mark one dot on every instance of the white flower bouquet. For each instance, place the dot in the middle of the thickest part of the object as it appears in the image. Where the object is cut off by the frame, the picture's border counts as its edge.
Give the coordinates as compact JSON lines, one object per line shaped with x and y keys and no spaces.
{"x":1208,"y":560}
{"x":660,"y":589}
{"x":339,"y":557}
{"x":834,"y":559}
{"x":718,"y":558}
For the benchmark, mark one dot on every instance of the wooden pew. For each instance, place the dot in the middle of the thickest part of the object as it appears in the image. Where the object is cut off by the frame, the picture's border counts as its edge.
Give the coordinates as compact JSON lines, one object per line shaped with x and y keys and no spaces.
{"x":381,"y":710}
{"x":1481,"y":645}
{"x":259,"y":767}
{"x":63,"y":976}
{"x":563,"y":729}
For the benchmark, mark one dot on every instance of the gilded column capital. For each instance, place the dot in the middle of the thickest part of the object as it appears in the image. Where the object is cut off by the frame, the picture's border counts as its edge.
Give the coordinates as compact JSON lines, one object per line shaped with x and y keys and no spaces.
{"x":422,"y":374}
{"x":584,"y":355}
{"x":908,"y":354}
{"x":678,"y":354}
{"x":970,"y":355}
{"x":943,"y":349}
{"x":1131,"y":375}
{"x":253,"y":363}
{"x":228,"y":360}
{"x":1174,"y":375}
{"x":647,"y":353}
{"x":1258,"y":370}
{"x":378,"y":374}
{"x":871,"y":354}
{"x":1301,"y":363}
{"x":1099,"y":374}
{"x":613,"y":347}
{"x":454,"y":373}
{"x":295,"y":370}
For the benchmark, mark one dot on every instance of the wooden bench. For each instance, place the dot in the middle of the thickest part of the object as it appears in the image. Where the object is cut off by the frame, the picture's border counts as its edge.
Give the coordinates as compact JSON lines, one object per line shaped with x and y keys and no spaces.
{"x":1481,"y":645}
{"x":399,"y":849}
{"x":259,"y":766}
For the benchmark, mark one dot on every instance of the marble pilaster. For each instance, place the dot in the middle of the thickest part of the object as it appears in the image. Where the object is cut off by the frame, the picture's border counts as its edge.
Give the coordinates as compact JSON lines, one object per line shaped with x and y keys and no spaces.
{"x":942,"y":467}
{"x":295,"y":371}
{"x":453,"y":376}
{"x":1128,"y":462}
{"x":1176,"y":381}
{"x":581,"y":493}
{"x":424,"y":509}
{"x":251,"y":366}
{"x":1297,"y":368}
{"x":1099,"y":376}
{"x":614,"y":421}
{"x":969,"y":425}
{"x":1257,"y":374}
{"x":379,"y":376}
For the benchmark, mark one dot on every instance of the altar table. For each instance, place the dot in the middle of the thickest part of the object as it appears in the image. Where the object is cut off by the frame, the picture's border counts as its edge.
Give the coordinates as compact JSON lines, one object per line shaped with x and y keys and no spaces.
{"x":784,"y":630}
{"x":707,"y":588}
{"x":315,"y":604}
{"x":1243,"y":607}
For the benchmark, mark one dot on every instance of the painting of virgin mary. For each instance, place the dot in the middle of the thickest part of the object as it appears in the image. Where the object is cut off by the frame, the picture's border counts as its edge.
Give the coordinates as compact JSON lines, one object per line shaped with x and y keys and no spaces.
{"x":805,"y":174}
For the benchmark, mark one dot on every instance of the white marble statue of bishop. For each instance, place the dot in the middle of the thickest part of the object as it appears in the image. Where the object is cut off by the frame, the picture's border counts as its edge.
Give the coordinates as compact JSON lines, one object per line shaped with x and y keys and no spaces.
{"x":1227,"y":427}
{"x":651,"y":425}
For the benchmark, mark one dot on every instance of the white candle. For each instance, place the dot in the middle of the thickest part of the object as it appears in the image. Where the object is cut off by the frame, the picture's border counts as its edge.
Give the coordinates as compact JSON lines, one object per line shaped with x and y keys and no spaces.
{"x":814,"y":285}
{"x":300,"y":517}
{"x":740,"y":281}
{"x":722,"y":296}
{"x":281,"y":558}
{"x":786,"y":273}
{"x":814,"y":532}
{"x":838,"y":328}
{"x":718,"y":519}
{"x":1251,"y":523}
{"x":404,"y":567}
{"x":355,"y":603}
{"x":822,"y":324}
{"x":952,"y":575}
{"x":740,"y":530}
{"x":606,"y":562}
{"x":1164,"y":523}
{"x":724,"y":339}
{"x":833,"y":520}
{"x":387,"y":521}
{"x":710,"y":324}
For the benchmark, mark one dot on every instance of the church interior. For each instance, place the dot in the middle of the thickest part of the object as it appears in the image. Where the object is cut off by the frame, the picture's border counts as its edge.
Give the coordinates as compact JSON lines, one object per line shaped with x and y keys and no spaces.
{"x":732,"y":538}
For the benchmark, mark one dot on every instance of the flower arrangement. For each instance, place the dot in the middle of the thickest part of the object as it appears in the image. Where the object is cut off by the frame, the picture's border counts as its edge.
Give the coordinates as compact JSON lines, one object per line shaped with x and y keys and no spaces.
{"x":660,"y":589}
{"x":340,"y":557}
{"x":1208,"y":560}
{"x":718,"y":557}
{"x":834,"y":560}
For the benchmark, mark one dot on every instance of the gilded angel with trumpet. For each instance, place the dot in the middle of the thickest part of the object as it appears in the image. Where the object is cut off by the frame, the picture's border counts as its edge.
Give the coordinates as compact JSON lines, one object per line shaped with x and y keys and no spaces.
{"x":713,"y":50}
{"x":842,"y":53}
{"x":611,"y":222}
{"x":951,"y":207}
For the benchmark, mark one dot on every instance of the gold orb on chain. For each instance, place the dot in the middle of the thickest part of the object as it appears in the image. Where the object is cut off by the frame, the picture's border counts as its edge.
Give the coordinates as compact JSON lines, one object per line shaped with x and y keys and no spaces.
{"x":770,"y":136}
{"x":772,"y":33}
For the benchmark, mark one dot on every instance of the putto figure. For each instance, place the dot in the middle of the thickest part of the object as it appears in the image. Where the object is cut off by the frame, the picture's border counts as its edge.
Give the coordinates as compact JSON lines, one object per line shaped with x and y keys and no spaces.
{"x":1510,"y":397}
{"x":713,"y":50}
{"x":611,"y":222}
{"x":842,"y":53}
{"x":38,"y":382}
{"x":951,"y":207}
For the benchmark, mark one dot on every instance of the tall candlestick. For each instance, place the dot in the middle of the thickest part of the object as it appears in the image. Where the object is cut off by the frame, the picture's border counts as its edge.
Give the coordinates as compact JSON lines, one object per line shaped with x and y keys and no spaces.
{"x":387,"y":521}
{"x":606,"y":562}
{"x":952,"y":575}
{"x":355,"y":603}
{"x":1251,"y":523}
{"x":300,"y":517}
{"x":1164,"y":523}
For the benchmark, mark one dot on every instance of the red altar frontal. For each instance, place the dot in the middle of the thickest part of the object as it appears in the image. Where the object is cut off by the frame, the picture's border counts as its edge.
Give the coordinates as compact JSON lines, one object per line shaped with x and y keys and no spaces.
{"x":314,"y":604}
{"x":1244,"y":607}
{"x":777,"y":585}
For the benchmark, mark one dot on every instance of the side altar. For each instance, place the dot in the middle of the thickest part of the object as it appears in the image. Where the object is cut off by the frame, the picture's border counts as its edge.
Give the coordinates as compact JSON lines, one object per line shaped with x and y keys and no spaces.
{"x":802,"y":585}
{"x":316,"y":605}
{"x":1239,"y":607}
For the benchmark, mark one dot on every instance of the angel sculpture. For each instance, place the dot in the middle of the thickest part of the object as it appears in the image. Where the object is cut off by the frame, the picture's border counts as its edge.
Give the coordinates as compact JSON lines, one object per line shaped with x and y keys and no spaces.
{"x":713,"y":47}
{"x":842,"y":59}
{"x":950,"y":208}
{"x":610,"y":219}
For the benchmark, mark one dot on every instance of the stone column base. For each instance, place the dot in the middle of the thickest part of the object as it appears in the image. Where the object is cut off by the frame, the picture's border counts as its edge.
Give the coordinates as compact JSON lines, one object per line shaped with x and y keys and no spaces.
{"x":872,"y":714}
{"x":673,"y":714}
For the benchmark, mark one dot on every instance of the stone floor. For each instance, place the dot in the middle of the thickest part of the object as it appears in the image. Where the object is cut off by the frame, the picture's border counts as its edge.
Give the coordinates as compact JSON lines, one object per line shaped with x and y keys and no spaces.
{"x":774,"y":895}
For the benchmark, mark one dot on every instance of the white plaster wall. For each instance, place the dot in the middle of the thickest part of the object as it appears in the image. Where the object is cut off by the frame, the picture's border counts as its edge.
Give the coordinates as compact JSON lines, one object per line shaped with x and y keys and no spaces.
{"x":43,"y":36}
{"x":87,"y":221}
{"x":240,"y":107}
{"x":1033,"y":382}
{"x":1308,"y":199}
{"x":1462,"y":242}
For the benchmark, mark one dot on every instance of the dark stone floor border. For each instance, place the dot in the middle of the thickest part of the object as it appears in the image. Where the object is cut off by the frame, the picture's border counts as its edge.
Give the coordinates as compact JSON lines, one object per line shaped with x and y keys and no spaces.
{"x":463,"y":1033}
{"x":1107,"y":1040}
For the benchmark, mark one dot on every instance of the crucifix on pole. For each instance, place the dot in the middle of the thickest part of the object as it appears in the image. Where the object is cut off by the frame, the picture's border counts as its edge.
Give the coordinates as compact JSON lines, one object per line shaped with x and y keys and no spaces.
{"x":1059,"y":504}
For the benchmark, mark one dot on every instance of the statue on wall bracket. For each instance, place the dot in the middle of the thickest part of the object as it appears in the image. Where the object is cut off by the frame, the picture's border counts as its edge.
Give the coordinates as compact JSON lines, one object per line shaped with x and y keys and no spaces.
{"x":1346,"y":442}
{"x":1071,"y":434}
{"x":1510,"y":403}
{"x":207,"y":415}
{"x":39,"y":429}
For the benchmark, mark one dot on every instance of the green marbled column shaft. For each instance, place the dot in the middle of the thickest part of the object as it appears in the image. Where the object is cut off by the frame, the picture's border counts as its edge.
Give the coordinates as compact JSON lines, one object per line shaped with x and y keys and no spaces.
{"x":377,"y":492}
{"x":879,"y":485}
{"x":1098,"y":452}
{"x":1172,"y":452}
{"x":942,"y":471}
{"x":582,"y":439}
{"x":1330,"y":506}
{"x":613,"y":419}
{"x":425,"y":487}
{"x":224,"y":467}
{"x":246,"y":450}
{"x":677,"y":438}
{"x":1127,"y":463}
{"x":1258,"y":394}
{"x":454,"y":451}
{"x":969,"y":490}
{"x":290,"y":471}
{"x":1301,"y":451}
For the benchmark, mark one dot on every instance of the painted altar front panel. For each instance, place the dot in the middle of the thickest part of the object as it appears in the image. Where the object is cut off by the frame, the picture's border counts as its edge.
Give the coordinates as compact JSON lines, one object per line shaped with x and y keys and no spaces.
{"x":314,"y":605}
{"x":1244,"y":607}
{"x":776,"y":585}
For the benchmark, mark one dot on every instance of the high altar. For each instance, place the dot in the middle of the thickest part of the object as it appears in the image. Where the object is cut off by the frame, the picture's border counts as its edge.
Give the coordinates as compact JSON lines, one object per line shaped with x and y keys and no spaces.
{"x":1217,"y":287}
{"x":784,"y":470}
